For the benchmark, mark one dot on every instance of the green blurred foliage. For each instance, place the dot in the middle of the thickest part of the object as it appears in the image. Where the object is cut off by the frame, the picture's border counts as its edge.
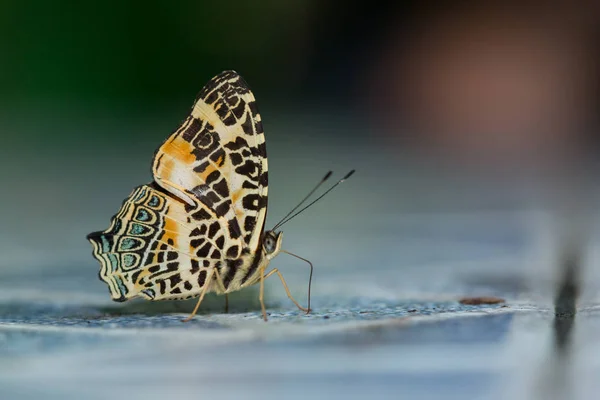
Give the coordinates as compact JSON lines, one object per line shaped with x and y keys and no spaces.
{"x":143,"y":51}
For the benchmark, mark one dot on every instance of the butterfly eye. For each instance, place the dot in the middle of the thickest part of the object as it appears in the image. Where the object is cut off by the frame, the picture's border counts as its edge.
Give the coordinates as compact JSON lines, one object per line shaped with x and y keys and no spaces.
{"x":269,"y":244}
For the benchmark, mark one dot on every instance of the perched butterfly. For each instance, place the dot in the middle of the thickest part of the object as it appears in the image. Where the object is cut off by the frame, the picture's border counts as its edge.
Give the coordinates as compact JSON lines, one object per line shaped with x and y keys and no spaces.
{"x":199,"y":227}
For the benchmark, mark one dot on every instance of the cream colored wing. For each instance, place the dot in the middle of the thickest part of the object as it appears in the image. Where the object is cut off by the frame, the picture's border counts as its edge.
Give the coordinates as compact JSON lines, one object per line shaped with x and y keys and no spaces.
{"x":218,"y":157}
{"x":152,"y":249}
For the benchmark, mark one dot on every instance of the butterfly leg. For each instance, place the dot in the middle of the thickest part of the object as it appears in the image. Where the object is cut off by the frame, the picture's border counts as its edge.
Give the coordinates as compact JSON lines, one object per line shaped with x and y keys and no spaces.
{"x":204,"y":291}
{"x":222,"y":287}
{"x":287,"y":289}
{"x":261,"y":295}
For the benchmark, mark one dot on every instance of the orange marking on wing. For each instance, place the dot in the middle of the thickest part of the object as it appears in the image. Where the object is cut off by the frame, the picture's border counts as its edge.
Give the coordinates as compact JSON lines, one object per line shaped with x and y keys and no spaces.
{"x":209,"y":170}
{"x":166,"y":168}
{"x":171,"y":232}
{"x":236,"y":196}
{"x":136,"y":285}
{"x":179,"y":149}
{"x":239,"y":214}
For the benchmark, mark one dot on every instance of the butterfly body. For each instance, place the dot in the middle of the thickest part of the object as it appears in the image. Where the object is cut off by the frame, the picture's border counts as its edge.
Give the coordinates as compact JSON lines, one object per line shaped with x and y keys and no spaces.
{"x":199,"y":226}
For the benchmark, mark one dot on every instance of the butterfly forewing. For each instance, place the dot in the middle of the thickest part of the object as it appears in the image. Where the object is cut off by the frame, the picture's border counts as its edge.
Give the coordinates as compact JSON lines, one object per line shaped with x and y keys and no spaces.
{"x":218,"y":157}
{"x":206,"y":209}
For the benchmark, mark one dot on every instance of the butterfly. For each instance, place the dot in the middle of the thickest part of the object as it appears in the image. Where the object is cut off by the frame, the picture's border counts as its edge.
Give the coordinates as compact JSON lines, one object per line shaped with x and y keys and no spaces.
{"x":199,"y":226}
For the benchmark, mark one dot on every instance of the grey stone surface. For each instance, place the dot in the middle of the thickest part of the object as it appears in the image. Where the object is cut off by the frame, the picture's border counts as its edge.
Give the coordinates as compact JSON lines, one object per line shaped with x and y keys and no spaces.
{"x":73,"y":352}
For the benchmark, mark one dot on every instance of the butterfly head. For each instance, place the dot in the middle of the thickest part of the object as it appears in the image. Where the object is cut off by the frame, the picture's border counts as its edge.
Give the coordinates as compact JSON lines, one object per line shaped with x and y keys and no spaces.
{"x":271,"y":243}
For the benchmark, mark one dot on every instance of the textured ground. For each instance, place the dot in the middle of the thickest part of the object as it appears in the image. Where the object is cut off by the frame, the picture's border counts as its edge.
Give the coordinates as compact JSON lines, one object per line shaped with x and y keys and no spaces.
{"x":410,"y":347}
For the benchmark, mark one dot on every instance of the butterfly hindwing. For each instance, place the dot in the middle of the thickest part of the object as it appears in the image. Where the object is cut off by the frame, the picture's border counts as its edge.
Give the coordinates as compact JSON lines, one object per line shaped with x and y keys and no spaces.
{"x":152,"y":249}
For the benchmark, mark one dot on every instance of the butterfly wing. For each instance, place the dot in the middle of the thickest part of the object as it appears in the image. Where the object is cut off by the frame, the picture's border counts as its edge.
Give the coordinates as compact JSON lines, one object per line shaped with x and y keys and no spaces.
{"x":152,"y":250}
{"x":206,"y":208}
{"x":218,"y":158}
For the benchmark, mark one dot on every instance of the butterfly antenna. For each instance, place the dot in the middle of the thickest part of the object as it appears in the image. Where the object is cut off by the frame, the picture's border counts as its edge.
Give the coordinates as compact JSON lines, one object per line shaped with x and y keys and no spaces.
{"x":327,"y":175}
{"x":309,"y":277}
{"x":285,"y":221}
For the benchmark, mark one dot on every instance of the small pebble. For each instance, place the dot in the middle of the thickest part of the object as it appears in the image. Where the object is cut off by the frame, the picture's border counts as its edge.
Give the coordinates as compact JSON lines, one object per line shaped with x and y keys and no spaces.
{"x":475,"y":301}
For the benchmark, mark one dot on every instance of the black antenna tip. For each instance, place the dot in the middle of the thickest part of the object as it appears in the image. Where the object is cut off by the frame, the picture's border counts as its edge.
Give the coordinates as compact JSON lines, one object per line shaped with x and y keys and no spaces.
{"x":348,"y":175}
{"x":327,"y":175}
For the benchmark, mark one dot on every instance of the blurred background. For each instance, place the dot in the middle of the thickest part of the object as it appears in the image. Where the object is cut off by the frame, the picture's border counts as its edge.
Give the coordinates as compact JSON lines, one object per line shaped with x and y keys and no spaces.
{"x":462,"y":106}
{"x":472,"y":126}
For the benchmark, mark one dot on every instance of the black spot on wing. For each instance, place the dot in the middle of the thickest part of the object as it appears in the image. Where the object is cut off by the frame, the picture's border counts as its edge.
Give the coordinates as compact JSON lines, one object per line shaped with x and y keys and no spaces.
{"x":202,"y":278}
{"x":213,"y":177}
{"x":239,"y":109}
{"x":222,"y":208}
{"x":201,"y":167}
{"x":236,"y":159}
{"x":162,"y":286}
{"x":199,"y":231}
{"x":154,"y":269}
{"x":263,"y":180}
{"x":218,"y":157}
{"x":221,"y":188}
{"x":232,"y":251}
{"x":203,"y":251}
{"x":253,"y":109}
{"x":239,"y":143}
{"x":260,"y":150}
{"x":248,"y":168}
{"x":201,"y":215}
{"x":229,"y":119}
{"x":172,"y":266}
{"x":195,"y":266}
{"x":258,"y":126}
{"x":214,"y":228}
{"x":249,"y":185}
{"x":234,"y":228}
{"x":253,"y":202}
{"x":249,"y":223}
{"x":175,"y":280}
{"x":195,"y":243}
{"x":247,"y":126}
{"x":209,"y":98}
{"x":191,"y":131}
